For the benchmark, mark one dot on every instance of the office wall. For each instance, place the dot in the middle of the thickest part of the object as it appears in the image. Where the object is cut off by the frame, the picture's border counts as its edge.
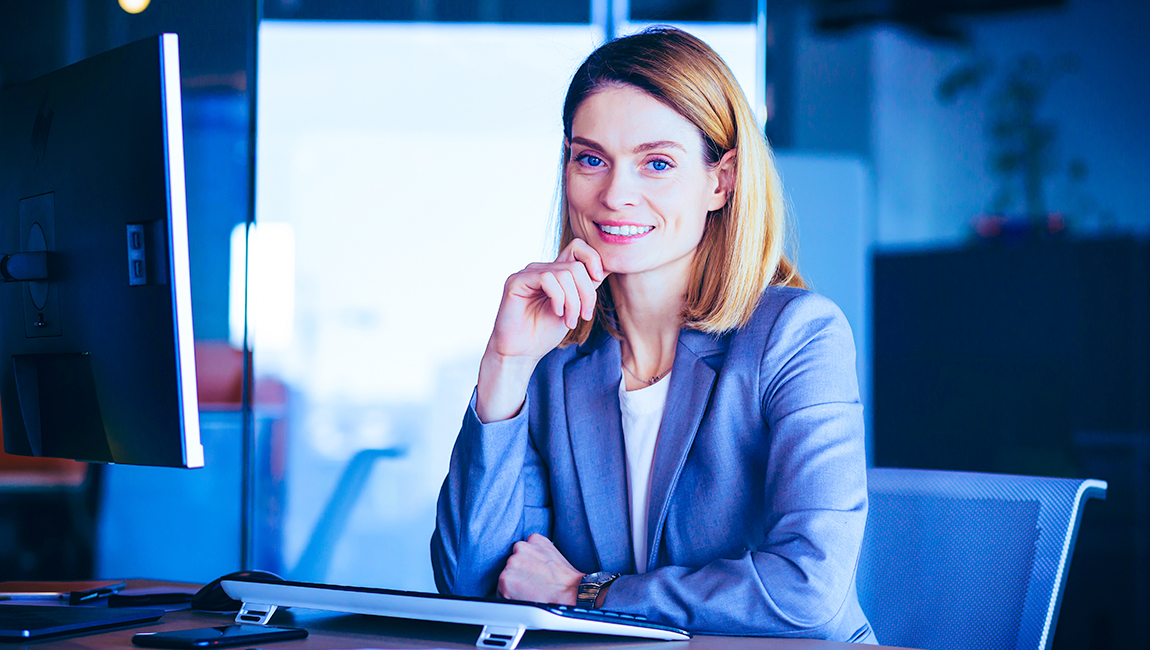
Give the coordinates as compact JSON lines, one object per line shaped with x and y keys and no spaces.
{"x":870,"y":92}
{"x":832,"y":210}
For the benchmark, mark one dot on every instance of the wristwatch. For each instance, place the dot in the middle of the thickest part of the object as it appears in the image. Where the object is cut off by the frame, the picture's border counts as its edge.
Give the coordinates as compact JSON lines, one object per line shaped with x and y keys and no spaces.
{"x":591,"y":585}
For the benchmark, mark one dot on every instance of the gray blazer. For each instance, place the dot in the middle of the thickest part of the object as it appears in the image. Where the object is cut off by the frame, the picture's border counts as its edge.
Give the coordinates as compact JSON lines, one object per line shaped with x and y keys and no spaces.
{"x":758,"y":488}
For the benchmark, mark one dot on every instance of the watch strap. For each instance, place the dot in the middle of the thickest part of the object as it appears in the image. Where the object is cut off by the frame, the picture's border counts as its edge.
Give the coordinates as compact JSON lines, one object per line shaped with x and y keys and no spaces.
{"x":590,"y":586}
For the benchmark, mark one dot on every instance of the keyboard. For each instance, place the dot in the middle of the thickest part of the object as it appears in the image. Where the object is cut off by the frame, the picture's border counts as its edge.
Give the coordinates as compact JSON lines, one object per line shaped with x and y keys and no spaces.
{"x":503,"y":621}
{"x":607,"y":615}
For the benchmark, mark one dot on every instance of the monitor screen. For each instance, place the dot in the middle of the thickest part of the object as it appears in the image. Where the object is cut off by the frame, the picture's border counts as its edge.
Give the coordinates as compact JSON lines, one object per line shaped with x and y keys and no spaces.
{"x":97,"y":358}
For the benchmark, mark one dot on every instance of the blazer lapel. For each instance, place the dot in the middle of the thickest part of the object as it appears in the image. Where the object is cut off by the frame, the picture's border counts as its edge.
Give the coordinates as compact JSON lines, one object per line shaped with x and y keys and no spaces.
{"x":595,"y":424}
{"x":692,"y":380}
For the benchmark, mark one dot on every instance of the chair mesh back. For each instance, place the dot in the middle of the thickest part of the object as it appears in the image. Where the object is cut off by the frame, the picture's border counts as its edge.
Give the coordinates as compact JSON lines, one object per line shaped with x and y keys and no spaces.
{"x":957,"y":560}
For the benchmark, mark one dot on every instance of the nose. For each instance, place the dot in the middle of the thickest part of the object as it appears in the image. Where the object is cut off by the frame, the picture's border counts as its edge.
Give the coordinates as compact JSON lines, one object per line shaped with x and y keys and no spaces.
{"x":620,"y":191}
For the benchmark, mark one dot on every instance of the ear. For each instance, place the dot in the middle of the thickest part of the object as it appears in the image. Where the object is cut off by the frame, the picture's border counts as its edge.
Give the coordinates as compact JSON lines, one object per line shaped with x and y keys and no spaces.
{"x":724,"y":172}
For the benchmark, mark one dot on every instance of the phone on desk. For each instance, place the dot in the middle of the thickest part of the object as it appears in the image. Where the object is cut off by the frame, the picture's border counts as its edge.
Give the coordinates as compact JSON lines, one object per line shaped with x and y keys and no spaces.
{"x":217,"y":637}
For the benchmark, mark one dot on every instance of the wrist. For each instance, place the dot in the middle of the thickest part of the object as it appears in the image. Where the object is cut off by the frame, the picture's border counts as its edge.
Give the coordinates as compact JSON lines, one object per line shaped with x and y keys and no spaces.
{"x":519,"y":367}
{"x":502,"y":386}
{"x":602,"y":595}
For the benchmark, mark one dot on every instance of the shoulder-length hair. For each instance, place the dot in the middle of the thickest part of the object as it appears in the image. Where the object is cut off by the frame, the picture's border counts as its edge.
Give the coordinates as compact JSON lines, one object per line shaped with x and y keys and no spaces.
{"x":742,"y":249}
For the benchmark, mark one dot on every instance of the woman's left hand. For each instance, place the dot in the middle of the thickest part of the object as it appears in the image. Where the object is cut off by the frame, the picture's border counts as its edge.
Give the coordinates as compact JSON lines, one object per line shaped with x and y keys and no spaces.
{"x":538,"y":572}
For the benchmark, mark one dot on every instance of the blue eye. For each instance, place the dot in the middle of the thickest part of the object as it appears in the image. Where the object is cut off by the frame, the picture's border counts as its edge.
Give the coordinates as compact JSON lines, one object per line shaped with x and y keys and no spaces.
{"x":659,"y":165}
{"x":589,"y":160}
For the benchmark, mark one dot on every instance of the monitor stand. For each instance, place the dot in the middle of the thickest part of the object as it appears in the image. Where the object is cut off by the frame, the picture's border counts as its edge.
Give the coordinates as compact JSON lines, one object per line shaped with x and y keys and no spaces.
{"x":59,"y":406}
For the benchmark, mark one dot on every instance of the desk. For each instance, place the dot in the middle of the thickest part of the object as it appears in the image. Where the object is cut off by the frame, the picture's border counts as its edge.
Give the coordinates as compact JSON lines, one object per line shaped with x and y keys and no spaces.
{"x":330,"y":631}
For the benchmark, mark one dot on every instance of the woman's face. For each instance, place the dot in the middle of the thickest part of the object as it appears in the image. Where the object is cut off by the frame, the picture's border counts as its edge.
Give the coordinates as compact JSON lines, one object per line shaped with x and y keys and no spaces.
{"x":638,"y":187}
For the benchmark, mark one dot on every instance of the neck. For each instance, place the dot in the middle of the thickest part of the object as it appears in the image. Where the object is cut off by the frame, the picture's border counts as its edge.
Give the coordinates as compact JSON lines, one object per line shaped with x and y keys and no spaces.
{"x":649,"y":307}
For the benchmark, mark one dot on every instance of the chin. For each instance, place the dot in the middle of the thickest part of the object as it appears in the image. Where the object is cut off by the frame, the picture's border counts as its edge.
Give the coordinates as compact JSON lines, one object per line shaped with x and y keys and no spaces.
{"x":620,"y":266}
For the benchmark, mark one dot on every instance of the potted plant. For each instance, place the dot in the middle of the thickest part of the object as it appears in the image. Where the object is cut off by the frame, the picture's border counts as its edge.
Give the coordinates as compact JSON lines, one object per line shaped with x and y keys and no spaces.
{"x":1022,"y":142}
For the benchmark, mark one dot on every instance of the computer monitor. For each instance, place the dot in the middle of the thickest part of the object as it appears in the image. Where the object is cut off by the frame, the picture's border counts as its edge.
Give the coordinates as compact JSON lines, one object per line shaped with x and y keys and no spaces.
{"x":97,"y":356}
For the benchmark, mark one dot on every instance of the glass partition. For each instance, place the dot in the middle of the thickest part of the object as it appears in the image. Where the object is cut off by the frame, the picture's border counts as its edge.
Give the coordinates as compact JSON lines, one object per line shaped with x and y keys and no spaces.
{"x":404,"y":171}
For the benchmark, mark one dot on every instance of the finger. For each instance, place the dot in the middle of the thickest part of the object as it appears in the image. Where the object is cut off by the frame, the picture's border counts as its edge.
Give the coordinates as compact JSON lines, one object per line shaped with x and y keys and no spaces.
{"x":544,"y":550}
{"x":526,"y":283}
{"x":571,"y":308}
{"x":522,"y":553}
{"x":508,"y":587}
{"x":583,"y":252}
{"x":580,"y":251}
{"x":566,"y":255}
{"x":501,"y":583}
{"x":550,"y":286}
{"x":526,"y":554}
{"x":586,"y":287}
{"x":537,"y":540}
{"x":515,"y":562}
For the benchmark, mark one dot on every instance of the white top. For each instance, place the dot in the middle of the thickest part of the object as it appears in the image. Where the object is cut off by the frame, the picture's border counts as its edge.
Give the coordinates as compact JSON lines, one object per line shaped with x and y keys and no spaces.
{"x":642,"y":412}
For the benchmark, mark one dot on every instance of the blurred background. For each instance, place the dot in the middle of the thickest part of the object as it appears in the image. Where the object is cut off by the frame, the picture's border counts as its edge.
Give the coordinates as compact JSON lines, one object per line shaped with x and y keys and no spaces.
{"x":967,"y":181}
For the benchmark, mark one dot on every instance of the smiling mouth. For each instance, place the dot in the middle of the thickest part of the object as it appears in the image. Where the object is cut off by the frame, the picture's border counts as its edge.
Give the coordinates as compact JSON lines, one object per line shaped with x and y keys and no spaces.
{"x":625,"y":231}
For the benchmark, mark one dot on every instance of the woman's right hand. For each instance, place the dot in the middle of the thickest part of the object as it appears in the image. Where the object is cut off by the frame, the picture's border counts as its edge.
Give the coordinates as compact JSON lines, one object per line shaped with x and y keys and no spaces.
{"x":540,"y":305}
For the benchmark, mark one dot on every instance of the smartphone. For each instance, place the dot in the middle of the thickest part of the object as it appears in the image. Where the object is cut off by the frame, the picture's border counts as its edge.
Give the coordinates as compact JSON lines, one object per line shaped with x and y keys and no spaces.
{"x":217,"y":637}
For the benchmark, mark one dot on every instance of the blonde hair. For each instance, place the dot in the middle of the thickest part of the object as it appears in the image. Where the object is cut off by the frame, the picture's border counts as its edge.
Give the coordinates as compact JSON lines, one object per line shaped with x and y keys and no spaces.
{"x":742,"y":249}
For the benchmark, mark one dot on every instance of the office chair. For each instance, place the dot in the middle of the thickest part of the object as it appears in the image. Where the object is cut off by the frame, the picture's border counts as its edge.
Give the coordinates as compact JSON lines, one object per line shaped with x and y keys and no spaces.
{"x":958,"y":560}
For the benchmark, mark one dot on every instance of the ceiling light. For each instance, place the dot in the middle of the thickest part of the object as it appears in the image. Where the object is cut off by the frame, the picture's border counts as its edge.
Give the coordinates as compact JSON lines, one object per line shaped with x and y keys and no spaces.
{"x":134,"y":6}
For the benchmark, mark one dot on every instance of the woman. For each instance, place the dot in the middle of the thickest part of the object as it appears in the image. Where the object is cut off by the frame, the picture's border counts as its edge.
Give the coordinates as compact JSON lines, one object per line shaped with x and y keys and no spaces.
{"x":665,"y":423}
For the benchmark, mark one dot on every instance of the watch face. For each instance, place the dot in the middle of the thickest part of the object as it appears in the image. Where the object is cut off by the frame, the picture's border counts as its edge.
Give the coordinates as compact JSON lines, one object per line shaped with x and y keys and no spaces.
{"x":594,"y":578}
{"x":598,"y":578}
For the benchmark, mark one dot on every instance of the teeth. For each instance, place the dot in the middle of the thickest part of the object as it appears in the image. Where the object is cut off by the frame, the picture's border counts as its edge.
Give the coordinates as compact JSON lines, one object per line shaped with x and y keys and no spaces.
{"x":626,"y":231}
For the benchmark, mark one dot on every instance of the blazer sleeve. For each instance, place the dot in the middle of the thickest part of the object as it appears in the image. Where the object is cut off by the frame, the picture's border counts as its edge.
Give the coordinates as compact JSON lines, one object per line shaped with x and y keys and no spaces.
{"x":801,"y":576}
{"x":495,"y":494}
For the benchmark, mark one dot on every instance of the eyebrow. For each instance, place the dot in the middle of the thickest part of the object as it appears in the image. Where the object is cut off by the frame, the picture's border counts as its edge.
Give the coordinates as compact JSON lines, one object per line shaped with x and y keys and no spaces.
{"x":659,"y":144}
{"x":646,"y":146}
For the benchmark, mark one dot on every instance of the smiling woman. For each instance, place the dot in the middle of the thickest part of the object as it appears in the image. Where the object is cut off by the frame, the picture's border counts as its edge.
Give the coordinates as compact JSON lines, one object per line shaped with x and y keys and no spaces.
{"x":665,"y":422}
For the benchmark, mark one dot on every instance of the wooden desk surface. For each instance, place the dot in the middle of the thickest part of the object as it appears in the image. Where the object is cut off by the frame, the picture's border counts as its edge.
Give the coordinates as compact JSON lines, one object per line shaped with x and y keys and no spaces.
{"x":329,"y":631}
